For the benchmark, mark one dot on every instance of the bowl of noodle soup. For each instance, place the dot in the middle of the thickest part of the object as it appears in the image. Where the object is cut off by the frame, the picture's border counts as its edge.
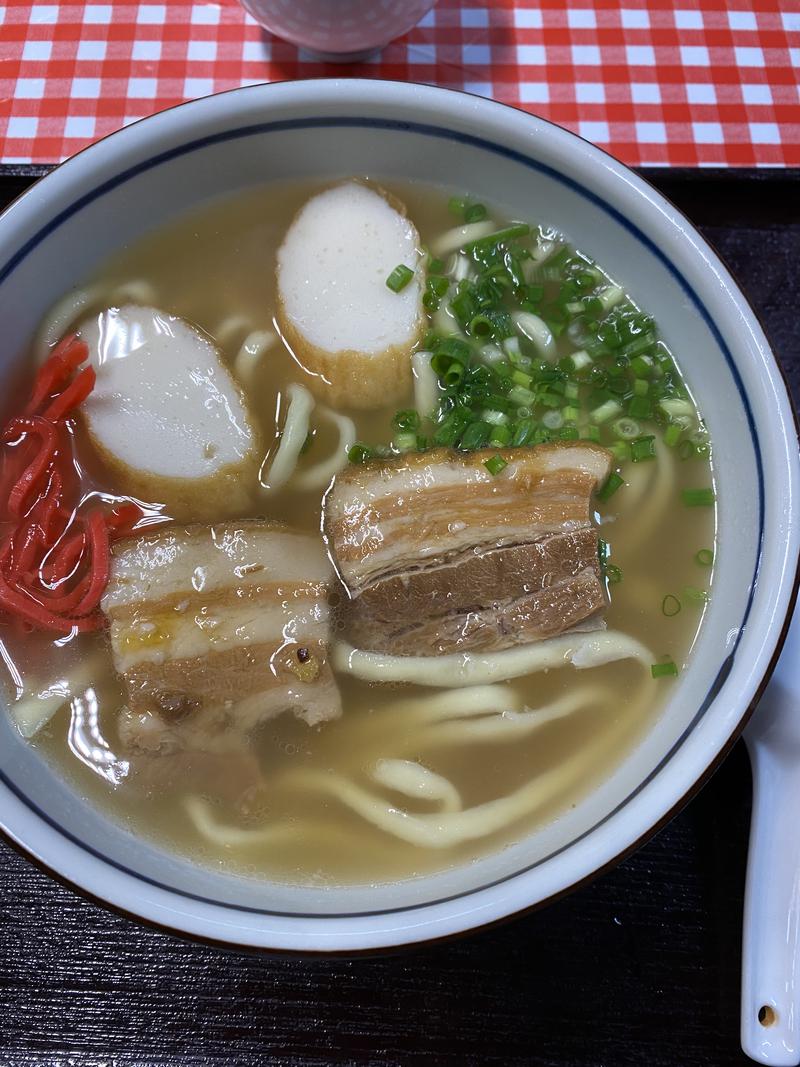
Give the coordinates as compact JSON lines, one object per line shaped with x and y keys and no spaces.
{"x":556,"y":354}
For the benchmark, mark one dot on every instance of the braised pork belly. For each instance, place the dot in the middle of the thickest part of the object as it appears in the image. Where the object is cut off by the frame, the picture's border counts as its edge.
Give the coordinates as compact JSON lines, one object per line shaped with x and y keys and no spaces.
{"x":215,"y":629}
{"x":438,"y":555}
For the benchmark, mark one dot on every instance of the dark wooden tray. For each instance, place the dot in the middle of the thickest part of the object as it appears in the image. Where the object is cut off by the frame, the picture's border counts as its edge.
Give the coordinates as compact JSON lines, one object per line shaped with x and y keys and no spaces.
{"x":640,"y":968}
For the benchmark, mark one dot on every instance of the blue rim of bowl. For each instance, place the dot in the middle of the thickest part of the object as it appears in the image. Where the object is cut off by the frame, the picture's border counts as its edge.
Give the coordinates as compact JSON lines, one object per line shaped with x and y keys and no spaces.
{"x":426,"y":130}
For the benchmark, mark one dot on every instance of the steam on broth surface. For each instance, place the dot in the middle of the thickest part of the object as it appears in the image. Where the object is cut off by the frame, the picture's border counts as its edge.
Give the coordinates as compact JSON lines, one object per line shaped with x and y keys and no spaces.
{"x":410,"y":778}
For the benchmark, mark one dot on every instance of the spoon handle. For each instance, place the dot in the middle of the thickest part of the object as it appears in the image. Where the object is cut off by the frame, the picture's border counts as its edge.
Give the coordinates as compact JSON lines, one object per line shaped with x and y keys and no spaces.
{"x":771,"y":947}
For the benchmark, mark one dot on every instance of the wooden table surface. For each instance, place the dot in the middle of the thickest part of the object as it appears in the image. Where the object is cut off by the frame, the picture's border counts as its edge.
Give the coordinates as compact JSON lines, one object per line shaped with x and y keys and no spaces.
{"x":640,"y":968}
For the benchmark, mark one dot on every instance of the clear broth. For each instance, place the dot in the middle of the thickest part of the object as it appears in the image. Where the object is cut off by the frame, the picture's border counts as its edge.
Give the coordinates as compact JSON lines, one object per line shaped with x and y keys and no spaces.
{"x":216,"y":263}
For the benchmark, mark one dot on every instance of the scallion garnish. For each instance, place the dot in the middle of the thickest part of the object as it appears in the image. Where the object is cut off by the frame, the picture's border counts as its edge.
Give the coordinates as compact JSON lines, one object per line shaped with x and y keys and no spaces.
{"x":613,"y":573}
{"x":359,"y":454}
{"x":495,"y":464}
{"x":643,"y":448}
{"x":405,"y":420}
{"x":610,"y":486}
{"x":509,"y":233}
{"x":672,"y":435}
{"x":698,"y":596}
{"x":698,"y":498}
{"x":475,"y":213}
{"x":670,"y":605}
{"x":705,"y":557}
{"x":399,"y":278}
{"x":664,"y":670}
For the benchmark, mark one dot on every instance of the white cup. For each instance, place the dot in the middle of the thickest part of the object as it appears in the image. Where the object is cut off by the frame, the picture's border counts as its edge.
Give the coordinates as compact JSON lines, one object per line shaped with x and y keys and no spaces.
{"x":341,"y":30}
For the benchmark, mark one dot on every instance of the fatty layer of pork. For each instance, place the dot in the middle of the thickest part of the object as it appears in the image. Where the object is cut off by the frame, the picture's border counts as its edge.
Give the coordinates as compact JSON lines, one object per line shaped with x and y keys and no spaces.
{"x":215,"y":629}
{"x":438,"y":555}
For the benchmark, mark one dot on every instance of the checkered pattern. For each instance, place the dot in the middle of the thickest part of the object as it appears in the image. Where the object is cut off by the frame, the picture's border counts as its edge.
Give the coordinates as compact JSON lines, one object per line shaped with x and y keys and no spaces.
{"x":656,"y":82}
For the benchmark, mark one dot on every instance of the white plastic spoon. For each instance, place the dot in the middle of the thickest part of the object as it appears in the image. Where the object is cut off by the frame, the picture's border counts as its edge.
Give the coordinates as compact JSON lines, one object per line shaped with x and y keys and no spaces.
{"x":771,"y":947}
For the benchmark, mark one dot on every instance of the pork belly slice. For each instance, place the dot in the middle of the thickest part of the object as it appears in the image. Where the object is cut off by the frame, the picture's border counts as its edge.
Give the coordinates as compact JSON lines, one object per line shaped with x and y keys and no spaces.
{"x":215,"y":629}
{"x":438,"y":555}
{"x":390,"y":516}
{"x":166,"y":415}
{"x":485,"y":600}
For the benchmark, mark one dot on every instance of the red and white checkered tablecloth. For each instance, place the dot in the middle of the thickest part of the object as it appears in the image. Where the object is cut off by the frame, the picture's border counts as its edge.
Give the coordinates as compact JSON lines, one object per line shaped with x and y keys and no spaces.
{"x":657,"y":82}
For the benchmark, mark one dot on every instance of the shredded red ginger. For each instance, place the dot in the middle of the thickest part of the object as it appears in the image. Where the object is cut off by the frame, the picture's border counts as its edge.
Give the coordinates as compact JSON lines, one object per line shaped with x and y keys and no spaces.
{"x":54,"y":562}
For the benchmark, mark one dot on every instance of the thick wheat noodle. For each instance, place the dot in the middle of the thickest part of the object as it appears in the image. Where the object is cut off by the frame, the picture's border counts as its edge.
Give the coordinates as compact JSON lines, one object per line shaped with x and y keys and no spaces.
{"x":319,"y":476}
{"x":66,"y":311}
{"x":254,"y":347}
{"x":426,"y":384}
{"x":446,"y":829}
{"x":61,"y":316}
{"x":508,"y":725}
{"x":231,"y":328}
{"x":455,"y":239}
{"x":415,"y":780}
{"x":455,"y":704}
{"x":295,"y":432}
{"x":465,"y":668}
{"x":137,"y":291}
{"x":445,"y":323}
{"x":660,"y":497}
{"x":201,"y":814}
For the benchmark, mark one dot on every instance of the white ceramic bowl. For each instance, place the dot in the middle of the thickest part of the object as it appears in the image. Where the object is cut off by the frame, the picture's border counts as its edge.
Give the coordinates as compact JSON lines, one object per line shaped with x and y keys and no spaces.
{"x":108,"y":195}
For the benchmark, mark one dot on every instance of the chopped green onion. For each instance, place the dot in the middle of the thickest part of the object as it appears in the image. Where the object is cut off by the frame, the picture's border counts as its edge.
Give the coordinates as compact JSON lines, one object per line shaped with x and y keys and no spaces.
{"x":643,"y":448}
{"x":580,"y":360}
{"x":641,"y":387}
{"x":626,"y":428}
{"x":610,"y":486}
{"x":359,"y":454}
{"x":670,"y":605}
{"x":572,"y":391}
{"x":475,"y":213}
{"x":610,"y":297}
{"x":521,"y":378}
{"x":453,"y":374}
{"x":570,"y":413}
{"x":553,"y":419}
{"x":399,"y":278}
{"x":605,"y":411}
{"x":698,"y":498}
{"x":494,"y":418}
{"x":591,"y":433}
{"x":672,"y":435}
{"x":495,"y":464}
{"x":481,"y":326}
{"x":456,"y":205}
{"x":613,"y":573}
{"x":405,"y":442}
{"x":521,"y":396}
{"x":438,"y":284}
{"x":507,"y":234}
{"x":435,"y":266}
{"x":642,"y":366}
{"x":620,"y":450}
{"x":664,"y":670}
{"x":500,"y":436}
{"x":523,"y":432}
{"x":705,"y":557}
{"x":640,"y":407}
{"x":686,"y":450}
{"x":698,"y":596}
{"x":476,"y":435}
{"x":674,"y":406}
{"x":406,"y":420}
